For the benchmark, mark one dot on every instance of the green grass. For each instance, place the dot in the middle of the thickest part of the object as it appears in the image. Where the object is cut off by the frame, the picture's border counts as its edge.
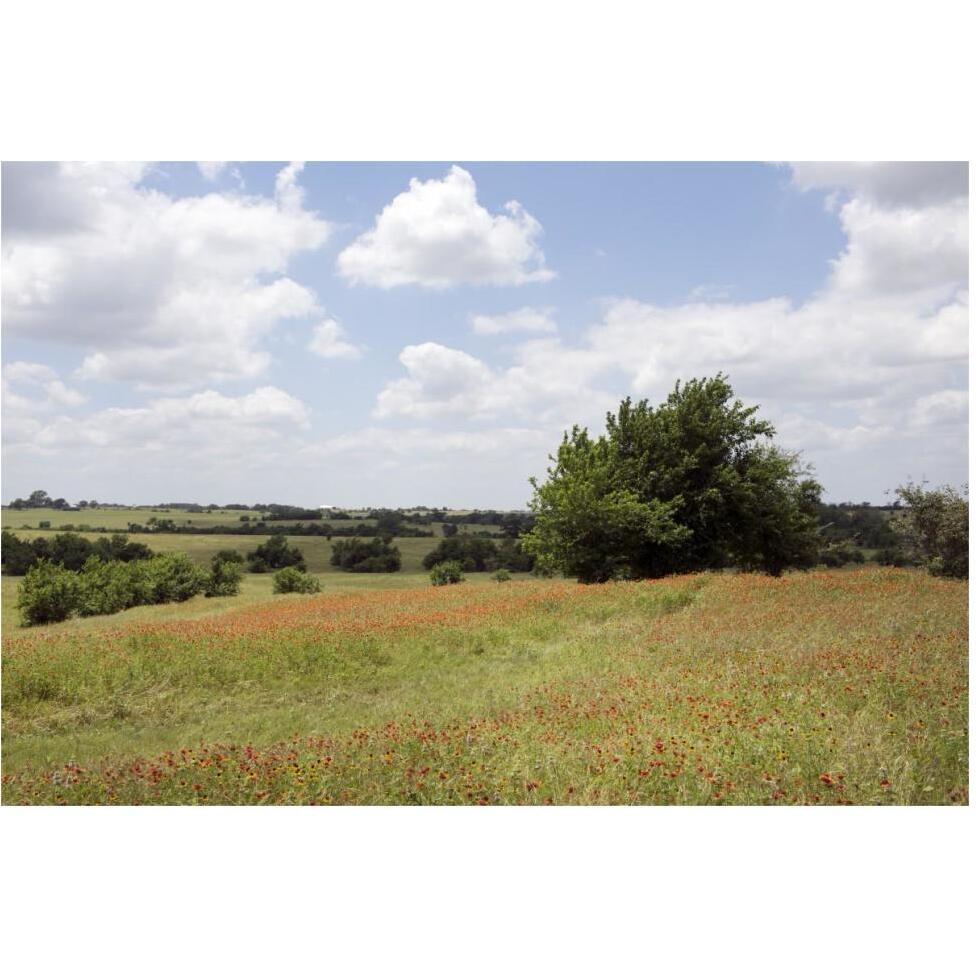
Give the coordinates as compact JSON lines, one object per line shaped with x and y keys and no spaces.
{"x":840,"y":686}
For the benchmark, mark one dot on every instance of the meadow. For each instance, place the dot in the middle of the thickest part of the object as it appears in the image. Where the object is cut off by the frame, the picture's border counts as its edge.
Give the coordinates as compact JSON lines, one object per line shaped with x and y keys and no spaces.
{"x":826,"y":687}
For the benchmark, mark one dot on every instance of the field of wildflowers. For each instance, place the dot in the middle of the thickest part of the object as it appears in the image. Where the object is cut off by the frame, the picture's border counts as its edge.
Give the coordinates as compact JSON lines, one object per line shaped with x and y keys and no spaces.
{"x":833,"y":687}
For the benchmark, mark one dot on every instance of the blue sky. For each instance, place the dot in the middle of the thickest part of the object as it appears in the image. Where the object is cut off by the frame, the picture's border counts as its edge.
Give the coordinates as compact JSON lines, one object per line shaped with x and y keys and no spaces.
{"x":160,"y":321}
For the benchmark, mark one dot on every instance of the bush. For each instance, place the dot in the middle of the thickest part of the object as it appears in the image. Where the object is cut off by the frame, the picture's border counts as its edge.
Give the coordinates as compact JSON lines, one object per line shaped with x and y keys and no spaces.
{"x":446,"y":573}
{"x":840,"y":554}
{"x":105,"y":587}
{"x":225,"y":578}
{"x":69,"y":549}
{"x":169,"y":578}
{"x":291,"y":580}
{"x":226,"y":556}
{"x":48,"y":593}
{"x":376,"y":555}
{"x":893,"y":556}
{"x":936,"y":528}
{"x":274,"y":555}
{"x":501,"y":575}
{"x":474,"y":554}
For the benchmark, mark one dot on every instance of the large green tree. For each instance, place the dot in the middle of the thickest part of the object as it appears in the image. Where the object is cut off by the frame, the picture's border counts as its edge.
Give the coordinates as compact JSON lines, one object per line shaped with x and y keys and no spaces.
{"x":693,"y":484}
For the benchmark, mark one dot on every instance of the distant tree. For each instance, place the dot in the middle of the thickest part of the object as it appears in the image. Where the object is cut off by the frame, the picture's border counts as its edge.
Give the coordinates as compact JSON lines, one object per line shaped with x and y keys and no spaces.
{"x":18,"y":554}
{"x":449,"y":529}
{"x":693,"y":484}
{"x":376,"y":555}
{"x":473,"y":553}
{"x":38,"y":499}
{"x":274,"y":555}
{"x":936,"y":528}
{"x":226,"y":556}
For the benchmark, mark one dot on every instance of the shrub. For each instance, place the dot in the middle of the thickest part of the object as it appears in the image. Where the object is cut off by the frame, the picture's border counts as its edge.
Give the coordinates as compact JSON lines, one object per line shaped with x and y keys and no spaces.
{"x":502,"y":575}
{"x":104,"y":587}
{"x":168,"y":578}
{"x":474,"y":554}
{"x":291,"y":580}
{"x":226,"y":556}
{"x":936,"y":528}
{"x":274,"y":554}
{"x":376,"y":555}
{"x":48,"y":593}
{"x":840,"y":554}
{"x":44,"y":524}
{"x":446,"y":573}
{"x":225,"y":578}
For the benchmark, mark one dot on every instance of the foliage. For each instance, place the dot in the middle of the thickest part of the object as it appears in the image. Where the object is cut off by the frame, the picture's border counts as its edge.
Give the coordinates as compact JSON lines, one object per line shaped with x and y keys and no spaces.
{"x":935,"y":526}
{"x":225,"y":578}
{"x":840,"y":554}
{"x":167,"y":578}
{"x":693,"y":484}
{"x":68,"y":549}
{"x":475,"y":554}
{"x":105,"y":587}
{"x":291,"y":580}
{"x":377,"y":555}
{"x":226,"y":556}
{"x":274,"y":554}
{"x":48,"y":593}
{"x":501,"y":575}
{"x":446,"y":573}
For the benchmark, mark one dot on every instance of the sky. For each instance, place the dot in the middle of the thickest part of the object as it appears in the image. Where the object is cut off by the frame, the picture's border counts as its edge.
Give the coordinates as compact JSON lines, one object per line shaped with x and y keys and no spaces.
{"x":399,"y":334}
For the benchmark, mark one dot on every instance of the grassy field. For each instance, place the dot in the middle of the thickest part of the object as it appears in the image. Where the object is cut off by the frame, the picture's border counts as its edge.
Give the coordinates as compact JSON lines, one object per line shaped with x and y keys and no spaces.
{"x":845,"y":686}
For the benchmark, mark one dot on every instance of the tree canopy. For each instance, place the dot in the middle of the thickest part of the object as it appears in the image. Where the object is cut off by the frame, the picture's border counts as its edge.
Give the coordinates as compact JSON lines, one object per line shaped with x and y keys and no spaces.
{"x":693,"y":484}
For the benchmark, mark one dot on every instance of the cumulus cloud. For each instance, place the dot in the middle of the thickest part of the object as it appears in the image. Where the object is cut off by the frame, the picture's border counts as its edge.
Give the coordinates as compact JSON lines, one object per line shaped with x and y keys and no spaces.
{"x":436,"y":234}
{"x":328,"y":341}
{"x":211,"y":170}
{"x":35,"y":388}
{"x":875,"y":364}
{"x":208,"y":421}
{"x":159,"y":291}
{"x":526,"y":319}
{"x":887,"y":184}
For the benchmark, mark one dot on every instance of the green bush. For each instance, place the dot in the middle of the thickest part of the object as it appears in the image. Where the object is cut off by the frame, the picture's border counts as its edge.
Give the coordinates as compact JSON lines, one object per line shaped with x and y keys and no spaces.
{"x":48,"y":593}
{"x":446,"y":573}
{"x":840,"y":554}
{"x":936,"y":528}
{"x":502,"y":575}
{"x":293,"y":581}
{"x":376,"y":555}
{"x":274,"y":555}
{"x":105,"y":587}
{"x":473,"y":553}
{"x":225,"y":578}
{"x":169,"y":578}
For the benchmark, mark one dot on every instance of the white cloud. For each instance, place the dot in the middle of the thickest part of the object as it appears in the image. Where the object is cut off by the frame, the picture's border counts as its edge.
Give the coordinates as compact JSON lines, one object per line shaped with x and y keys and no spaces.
{"x":526,"y":319}
{"x":436,"y":234}
{"x":888,"y":184}
{"x":208,"y":422}
{"x":875,"y":364}
{"x":35,"y":388}
{"x":328,"y":342}
{"x":159,"y":291}
{"x":212,"y":170}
